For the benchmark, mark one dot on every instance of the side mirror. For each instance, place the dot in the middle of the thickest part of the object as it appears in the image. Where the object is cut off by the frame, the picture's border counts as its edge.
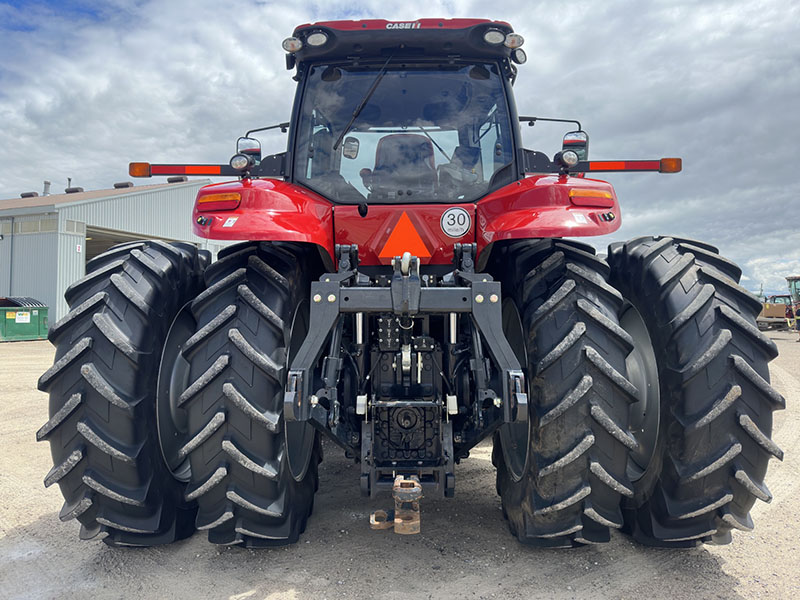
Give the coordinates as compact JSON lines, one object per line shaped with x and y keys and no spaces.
{"x":350,"y":147}
{"x":249,"y":147}
{"x":578,"y":142}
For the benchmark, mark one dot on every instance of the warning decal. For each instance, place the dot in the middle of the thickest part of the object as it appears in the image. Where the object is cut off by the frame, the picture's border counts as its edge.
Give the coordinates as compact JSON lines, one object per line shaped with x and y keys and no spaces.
{"x":404,"y":238}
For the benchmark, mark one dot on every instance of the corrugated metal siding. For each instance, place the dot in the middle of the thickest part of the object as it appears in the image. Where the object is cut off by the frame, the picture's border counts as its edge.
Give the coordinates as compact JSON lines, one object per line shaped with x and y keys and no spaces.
{"x":166,"y":212}
{"x":33,"y":268}
{"x":71,"y":267}
{"x":5,"y":253}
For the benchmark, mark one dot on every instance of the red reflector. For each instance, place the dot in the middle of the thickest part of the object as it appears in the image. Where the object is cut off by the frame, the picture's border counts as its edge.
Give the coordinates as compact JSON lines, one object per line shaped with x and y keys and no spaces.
{"x":202,"y":169}
{"x":184,"y":169}
{"x":404,"y":238}
{"x":625,"y":165}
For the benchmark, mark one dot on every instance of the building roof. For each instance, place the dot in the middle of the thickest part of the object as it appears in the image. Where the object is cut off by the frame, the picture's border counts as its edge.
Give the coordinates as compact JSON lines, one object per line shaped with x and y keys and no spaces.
{"x":54,"y":200}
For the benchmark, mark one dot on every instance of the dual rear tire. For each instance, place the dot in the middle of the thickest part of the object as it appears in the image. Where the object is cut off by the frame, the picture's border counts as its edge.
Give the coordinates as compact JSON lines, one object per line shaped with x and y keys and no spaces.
{"x":652,"y":409}
{"x":166,"y":396}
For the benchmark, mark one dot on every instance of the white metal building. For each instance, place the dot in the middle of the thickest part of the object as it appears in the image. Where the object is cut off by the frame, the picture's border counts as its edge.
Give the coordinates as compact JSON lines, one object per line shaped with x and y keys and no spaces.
{"x":45,"y":241}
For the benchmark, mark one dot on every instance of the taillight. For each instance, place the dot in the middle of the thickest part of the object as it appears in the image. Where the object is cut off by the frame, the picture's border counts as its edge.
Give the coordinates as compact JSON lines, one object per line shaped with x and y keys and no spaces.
{"x":583,"y":197}
{"x":227,"y":201}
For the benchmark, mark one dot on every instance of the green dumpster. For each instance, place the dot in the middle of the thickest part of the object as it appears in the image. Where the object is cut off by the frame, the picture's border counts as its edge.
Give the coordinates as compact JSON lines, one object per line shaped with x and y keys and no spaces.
{"x":22,"y":319}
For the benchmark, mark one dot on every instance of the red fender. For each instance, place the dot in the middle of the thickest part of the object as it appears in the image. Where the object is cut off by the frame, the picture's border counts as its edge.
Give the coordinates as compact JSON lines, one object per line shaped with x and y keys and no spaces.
{"x":547,"y":206}
{"x":269,"y":210}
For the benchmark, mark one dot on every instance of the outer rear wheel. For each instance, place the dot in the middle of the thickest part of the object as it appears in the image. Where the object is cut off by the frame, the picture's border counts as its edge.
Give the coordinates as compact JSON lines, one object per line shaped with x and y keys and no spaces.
{"x":236,"y":440}
{"x":565,"y":487}
{"x":102,"y":427}
{"x":707,"y":452}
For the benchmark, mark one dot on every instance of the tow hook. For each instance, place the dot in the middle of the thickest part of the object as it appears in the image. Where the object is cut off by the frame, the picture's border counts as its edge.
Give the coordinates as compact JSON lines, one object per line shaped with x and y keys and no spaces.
{"x":406,"y":492}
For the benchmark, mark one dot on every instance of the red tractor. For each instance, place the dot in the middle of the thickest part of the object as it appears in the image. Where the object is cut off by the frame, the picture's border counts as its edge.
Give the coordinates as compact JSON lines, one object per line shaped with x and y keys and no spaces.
{"x":406,"y":289}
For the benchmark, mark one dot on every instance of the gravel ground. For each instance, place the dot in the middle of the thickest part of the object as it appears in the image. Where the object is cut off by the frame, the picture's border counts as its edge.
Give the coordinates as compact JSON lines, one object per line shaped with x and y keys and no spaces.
{"x":464,"y":550}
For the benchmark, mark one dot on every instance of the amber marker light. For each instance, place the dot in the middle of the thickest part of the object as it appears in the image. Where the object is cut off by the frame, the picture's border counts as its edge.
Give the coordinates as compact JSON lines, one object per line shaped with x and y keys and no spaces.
{"x":584,"y":197}
{"x":139,"y":169}
{"x":670,"y":165}
{"x":227,"y":201}
{"x":589,"y":193}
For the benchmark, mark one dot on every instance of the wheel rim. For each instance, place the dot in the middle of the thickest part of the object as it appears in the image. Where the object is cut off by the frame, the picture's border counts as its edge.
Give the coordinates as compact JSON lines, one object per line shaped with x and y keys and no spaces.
{"x":645,"y":414}
{"x":515,"y":437}
{"x":299,"y":434}
{"x":173,"y":379}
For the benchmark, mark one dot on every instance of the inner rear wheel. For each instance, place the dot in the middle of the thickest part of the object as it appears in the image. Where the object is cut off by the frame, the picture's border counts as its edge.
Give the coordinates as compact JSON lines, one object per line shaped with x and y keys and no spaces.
{"x":173,"y":378}
{"x":515,"y":437}
{"x":643,"y":373}
{"x":299,"y":434}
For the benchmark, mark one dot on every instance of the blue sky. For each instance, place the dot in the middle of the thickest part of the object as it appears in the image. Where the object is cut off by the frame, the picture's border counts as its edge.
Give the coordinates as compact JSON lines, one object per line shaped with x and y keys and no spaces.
{"x":84,"y":90}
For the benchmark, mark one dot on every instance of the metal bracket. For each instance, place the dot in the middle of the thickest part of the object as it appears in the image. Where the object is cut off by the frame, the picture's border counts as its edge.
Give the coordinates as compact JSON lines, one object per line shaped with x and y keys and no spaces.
{"x":273,"y":165}
{"x":517,"y":409}
{"x":464,"y":257}
{"x":347,"y":255}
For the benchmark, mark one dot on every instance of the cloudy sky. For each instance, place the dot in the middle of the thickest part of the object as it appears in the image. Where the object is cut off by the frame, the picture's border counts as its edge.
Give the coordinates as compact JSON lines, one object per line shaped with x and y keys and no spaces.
{"x":86,"y":87}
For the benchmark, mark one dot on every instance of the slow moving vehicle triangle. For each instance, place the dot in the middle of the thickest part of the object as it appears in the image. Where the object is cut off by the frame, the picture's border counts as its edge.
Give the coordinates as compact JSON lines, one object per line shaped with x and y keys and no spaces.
{"x":404,"y":238}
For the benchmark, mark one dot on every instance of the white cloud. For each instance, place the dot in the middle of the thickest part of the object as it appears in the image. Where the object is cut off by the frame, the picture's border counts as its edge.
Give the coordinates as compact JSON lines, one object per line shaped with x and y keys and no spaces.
{"x":83,"y":91}
{"x":772,"y":272}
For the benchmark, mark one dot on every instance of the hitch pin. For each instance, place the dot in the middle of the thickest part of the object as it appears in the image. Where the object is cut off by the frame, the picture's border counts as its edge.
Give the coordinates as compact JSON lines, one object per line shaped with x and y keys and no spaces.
{"x":453,"y":329}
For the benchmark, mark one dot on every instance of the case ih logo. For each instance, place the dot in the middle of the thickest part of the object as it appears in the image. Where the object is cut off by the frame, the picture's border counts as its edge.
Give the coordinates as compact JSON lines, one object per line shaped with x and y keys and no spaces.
{"x":414,"y":25}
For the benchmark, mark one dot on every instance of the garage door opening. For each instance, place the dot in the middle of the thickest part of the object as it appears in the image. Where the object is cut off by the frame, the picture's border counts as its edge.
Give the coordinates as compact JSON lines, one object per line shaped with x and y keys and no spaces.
{"x":98,"y":240}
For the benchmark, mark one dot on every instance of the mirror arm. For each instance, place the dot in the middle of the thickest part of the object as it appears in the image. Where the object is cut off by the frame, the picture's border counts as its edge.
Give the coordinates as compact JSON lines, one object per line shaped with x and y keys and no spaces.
{"x":284,"y":127}
{"x":532,"y":121}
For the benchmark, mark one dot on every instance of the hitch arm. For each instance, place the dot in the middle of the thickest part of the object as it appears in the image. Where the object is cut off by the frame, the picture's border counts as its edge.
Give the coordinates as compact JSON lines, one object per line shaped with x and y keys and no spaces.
{"x":324,"y":317}
{"x":487,"y":316}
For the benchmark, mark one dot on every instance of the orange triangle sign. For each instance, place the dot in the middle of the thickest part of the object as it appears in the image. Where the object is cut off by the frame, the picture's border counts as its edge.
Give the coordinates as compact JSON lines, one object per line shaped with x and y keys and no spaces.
{"x":404,"y":238}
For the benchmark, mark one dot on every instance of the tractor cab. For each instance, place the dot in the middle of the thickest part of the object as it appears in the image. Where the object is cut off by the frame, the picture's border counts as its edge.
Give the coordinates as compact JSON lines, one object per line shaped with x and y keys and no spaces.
{"x":794,"y":288}
{"x":404,"y":112}
{"x":403,"y":131}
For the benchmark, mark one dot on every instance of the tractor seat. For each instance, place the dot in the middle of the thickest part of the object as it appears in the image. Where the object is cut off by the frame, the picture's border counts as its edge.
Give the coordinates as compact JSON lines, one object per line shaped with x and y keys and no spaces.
{"x":403,"y":162}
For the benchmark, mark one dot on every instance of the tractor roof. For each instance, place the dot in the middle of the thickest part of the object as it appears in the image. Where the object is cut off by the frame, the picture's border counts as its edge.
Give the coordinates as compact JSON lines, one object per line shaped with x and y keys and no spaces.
{"x":424,"y":38}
